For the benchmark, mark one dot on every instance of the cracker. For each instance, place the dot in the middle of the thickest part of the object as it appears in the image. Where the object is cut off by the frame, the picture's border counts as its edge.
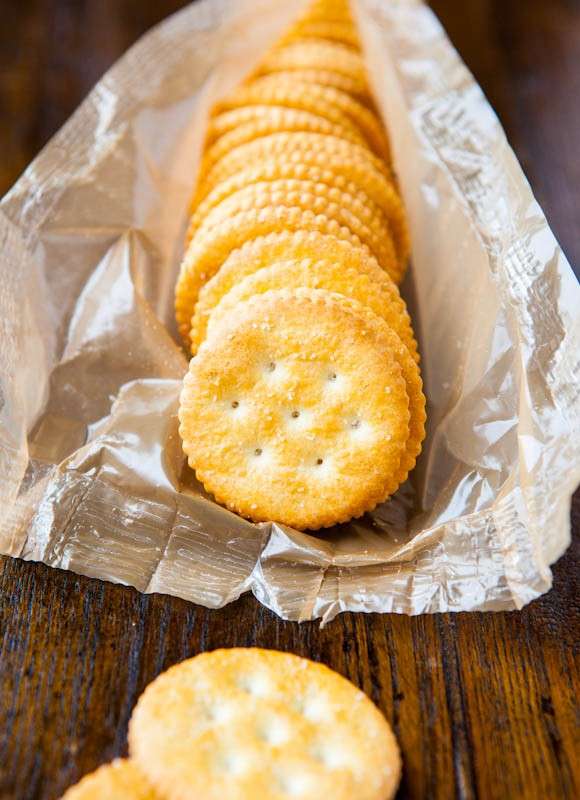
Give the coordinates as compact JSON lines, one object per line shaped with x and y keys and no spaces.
{"x":270,"y":171}
{"x":412,"y":376}
{"x":120,"y":780}
{"x":315,"y":55}
{"x":287,"y":95}
{"x":360,"y":90}
{"x":331,"y":30}
{"x":377,"y":292}
{"x":338,"y":107}
{"x":249,"y":724}
{"x":266,"y":250}
{"x":280,"y":119}
{"x":352,"y":162}
{"x":274,"y":118}
{"x":351,"y":211}
{"x":336,"y":10}
{"x":284,"y":90}
{"x":296,"y":409}
{"x":207,"y":253}
{"x":293,"y":146}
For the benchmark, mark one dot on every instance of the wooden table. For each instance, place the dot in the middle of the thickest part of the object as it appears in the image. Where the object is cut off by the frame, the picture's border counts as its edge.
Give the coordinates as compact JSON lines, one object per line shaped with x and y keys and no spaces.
{"x":484,"y":705}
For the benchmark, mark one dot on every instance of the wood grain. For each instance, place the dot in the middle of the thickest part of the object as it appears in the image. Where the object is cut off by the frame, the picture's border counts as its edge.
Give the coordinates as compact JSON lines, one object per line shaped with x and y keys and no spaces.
{"x":484,"y":705}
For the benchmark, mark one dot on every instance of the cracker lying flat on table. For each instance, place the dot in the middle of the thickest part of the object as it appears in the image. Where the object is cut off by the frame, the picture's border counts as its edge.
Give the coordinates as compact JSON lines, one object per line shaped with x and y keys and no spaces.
{"x":120,"y":780}
{"x":249,"y":724}
{"x":297,"y":409}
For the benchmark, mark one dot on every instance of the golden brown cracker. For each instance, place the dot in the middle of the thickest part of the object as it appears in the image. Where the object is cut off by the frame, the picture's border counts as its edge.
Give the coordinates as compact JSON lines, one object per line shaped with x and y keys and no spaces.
{"x":264,"y":251}
{"x":246,"y":723}
{"x":290,"y":91}
{"x":207,"y":253}
{"x":351,"y":211}
{"x":288,"y":156}
{"x":337,"y":106}
{"x":120,"y":780}
{"x":360,"y":90}
{"x":278,"y":119}
{"x":378,"y":292}
{"x":315,"y":55}
{"x":296,"y":409}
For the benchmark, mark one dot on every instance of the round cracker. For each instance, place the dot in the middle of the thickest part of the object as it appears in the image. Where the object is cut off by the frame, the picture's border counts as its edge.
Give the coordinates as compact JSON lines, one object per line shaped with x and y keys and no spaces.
{"x":292,"y":145}
{"x":324,"y":30}
{"x":247,"y":723}
{"x":274,"y":118}
{"x":270,"y":171}
{"x":315,"y":55}
{"x":265,"y":250}
{"x":284,"y":156}
{"x":296,"y":410}
{"x":331,"y":153}
{"x":412,"y":375}
{"x":206,"y":253}
{"x":351,"y":211}
{"x":360,"y":90}
{"x":338,"y":107}
{"x":378,"y":292}
{"x":120,"y":780}
{"x":279,"y":119}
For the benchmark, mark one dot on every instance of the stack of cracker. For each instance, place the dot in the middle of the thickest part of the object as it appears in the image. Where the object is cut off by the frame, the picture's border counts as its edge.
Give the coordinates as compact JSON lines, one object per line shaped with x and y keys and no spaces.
{"x":303,"y":402}
{"x":251,"y":724}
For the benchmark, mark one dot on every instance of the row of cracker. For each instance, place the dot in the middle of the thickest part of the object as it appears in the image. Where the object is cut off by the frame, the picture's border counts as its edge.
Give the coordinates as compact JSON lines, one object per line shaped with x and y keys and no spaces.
{"x":251,"y":724}
{"x":298,"y":229}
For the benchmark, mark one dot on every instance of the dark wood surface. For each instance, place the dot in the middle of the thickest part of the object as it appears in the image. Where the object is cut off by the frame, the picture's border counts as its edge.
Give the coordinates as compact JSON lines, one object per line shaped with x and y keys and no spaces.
{"x":484,"y":705}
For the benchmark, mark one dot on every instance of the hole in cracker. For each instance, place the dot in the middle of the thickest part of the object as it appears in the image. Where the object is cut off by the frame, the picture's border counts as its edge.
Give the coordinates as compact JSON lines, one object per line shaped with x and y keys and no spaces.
{"x":293,"y":785}
{"x":231,"y":762}
{"x":332,"y":376}
{"x":319,"y":461}
{"x":355,"y":423}
{"x":235,"y":404}
{"x":273,"y":731}
{"x":258,"y":451}
{"x":257,"y":685}
{"x":331,"y":757}
{"x":271,"y":366}
{"x":295,"y":414}
{"x":315,"y":708}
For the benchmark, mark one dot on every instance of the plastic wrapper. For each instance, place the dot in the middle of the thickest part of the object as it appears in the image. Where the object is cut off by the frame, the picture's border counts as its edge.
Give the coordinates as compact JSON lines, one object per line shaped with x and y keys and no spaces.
{"x":92,"y":477}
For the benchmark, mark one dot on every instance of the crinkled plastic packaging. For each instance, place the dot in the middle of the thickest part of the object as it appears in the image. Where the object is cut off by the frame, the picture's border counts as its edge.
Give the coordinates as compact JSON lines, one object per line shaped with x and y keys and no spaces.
{"x":92,"y":476}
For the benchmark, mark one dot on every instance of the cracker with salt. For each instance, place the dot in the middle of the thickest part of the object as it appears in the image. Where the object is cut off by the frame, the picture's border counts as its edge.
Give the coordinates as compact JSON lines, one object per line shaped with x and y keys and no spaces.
{"x":377,"y":292}
{"x":336,"y":106}
{"x":120,"y":780}
{"x":207,"y":253}
{"x":297,"y":409}
{"x":272,"y":119}
{"x":365,"y":221}
{"x":314,"y":55}
{"x":247,"y":723}
{"x":264,"y":251}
